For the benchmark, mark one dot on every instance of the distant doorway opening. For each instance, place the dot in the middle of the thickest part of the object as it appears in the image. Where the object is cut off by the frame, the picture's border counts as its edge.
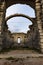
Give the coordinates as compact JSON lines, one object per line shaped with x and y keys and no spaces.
{"x":18,"y":40}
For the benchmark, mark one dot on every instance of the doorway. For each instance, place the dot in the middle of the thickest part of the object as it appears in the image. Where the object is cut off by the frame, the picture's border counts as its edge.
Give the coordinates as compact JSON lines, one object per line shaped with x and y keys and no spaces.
{"x":18,"y":40}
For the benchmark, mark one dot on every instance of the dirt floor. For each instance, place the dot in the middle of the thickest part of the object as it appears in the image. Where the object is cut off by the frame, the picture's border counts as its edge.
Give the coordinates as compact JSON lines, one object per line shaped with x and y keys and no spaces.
{"x":21,"y":57}
{"x":20,"y":54}
{"x":22,"y":61}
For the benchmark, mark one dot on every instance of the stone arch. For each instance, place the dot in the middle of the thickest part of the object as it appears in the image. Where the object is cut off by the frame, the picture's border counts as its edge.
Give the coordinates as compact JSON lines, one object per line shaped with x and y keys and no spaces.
{"x":11,"y":2}
{"x":19,"y":15}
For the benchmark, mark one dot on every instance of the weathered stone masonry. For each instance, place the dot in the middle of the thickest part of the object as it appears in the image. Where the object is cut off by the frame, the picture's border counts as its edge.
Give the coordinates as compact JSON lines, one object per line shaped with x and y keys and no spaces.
{"x":39,"y":17}
{"x":2,"y":13}
{"x":39,"y":22}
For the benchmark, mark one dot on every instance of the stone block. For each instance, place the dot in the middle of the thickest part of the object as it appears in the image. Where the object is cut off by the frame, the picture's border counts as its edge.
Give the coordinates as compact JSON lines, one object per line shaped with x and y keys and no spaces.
{"x":41,"y":34}
{"x":42,"y":50}
{"x":41,"y":46}
{"x":40,"y":31}
{"x":38,"y":21}
{"x":37,"y":7}
{"x":0,"y":28}
{"x":0,"y":32}
{"x":38,"y":4}
{"x":41,"y":37}
{"x":1,"y":13}
{"x":2,"y":6}
{"x":41,"y":40}
{"x":39,"y":27}
{"x":0,"y":20}
{"x":42,"y":6}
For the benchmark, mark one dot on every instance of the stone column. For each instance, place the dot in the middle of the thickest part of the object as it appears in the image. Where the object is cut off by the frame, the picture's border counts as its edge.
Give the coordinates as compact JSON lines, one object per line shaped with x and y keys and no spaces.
{"x":42,"y":12}
{"x":2,"y":14}
{"x":39,"y":22}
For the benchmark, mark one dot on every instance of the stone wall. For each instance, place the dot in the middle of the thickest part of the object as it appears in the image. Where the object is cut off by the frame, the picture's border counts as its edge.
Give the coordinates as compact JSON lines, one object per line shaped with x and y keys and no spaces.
{"x":39,"y":22}
{"x":2,"y":13}
{"x":22,"y":36}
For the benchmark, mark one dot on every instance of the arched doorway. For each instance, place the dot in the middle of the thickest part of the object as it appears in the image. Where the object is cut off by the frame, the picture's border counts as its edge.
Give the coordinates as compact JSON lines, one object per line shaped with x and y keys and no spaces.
{"x":19,"y":40}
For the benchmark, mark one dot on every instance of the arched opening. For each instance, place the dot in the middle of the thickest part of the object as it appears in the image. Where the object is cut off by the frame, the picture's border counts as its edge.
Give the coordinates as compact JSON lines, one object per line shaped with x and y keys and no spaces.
{"x":20,"y":9}
{"x":18,"y":24}
{"x":19,"y":40}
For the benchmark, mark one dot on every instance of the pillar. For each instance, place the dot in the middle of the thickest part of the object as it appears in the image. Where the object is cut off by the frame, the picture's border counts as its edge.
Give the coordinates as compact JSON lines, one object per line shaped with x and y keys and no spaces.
{"x":42,"y":11}
{"x":2,"y":13}
{"x":39,"y":22}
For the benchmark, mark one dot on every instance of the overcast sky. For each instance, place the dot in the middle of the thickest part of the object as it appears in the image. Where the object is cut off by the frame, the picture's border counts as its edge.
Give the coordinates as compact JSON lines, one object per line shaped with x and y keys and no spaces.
{"x":19,"y":24}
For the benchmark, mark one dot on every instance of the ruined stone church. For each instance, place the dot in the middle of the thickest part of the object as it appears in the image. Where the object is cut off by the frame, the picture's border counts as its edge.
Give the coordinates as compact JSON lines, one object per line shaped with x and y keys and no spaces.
{"x":35,"y":35}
